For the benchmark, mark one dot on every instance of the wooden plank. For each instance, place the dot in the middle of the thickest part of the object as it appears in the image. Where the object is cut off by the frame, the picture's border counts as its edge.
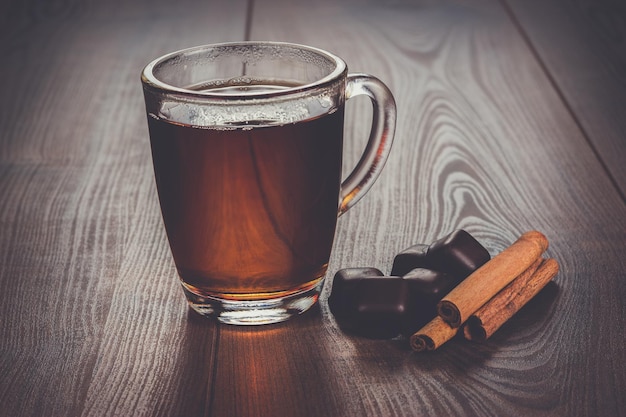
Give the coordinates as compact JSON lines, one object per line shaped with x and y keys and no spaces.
{"x":483,"y":143}
{"x":582,"y":47}
{"x":92,"y":319}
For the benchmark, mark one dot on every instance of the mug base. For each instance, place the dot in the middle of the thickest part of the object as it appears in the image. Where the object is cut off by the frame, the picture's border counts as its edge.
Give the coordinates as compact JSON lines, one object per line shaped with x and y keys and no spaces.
{"x":254,"y":312}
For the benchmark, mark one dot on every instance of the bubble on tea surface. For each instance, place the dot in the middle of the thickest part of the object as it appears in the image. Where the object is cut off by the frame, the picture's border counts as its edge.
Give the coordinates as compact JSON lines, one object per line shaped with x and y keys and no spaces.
{"x":325,"y":101}
{"x":223,"y":116}
{"x":234,"y":105}
{"x":192,"y":114}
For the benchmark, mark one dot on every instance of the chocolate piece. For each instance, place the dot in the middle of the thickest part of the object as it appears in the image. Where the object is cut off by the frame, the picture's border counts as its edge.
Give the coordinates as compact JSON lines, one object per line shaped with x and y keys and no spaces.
{"x":410,"y":258}
{"x":368,"y":303}
{"x":426,"y":288}
{"x":458,"y":254}
{"x":381,"y":307}
{"x":342,"y":295}
{"x":428,"y":285}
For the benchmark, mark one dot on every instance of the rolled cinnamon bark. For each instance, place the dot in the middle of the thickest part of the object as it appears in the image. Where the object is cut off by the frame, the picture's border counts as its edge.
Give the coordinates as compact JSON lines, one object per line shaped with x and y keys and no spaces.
{"x":434,"y":334}
{"x":491,"y":316}
{"x":488,"y":280}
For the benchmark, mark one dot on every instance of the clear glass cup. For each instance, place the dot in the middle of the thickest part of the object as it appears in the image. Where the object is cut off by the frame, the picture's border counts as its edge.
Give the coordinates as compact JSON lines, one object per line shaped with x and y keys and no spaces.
{"x":247,"y":144}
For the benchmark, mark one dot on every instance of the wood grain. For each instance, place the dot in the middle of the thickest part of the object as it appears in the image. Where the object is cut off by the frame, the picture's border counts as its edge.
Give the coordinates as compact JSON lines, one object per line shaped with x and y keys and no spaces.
{"x":483,"y":143}
{"x":92,"y":321}
{"x":582,"y":46}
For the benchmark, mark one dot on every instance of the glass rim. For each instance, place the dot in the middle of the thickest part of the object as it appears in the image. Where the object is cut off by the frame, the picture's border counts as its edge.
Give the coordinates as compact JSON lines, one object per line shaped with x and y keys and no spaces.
{"x":149,"y":80}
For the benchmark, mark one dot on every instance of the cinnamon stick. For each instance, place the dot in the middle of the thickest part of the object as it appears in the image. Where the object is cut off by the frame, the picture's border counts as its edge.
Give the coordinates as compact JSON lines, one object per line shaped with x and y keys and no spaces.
{"x":432,"y":335}
{"x":492,"y":277}
{"x":484,"y":322}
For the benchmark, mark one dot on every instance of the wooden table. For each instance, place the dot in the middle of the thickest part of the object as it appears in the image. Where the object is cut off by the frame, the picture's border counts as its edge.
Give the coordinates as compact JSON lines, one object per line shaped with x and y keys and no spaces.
{"x":511,"y":118}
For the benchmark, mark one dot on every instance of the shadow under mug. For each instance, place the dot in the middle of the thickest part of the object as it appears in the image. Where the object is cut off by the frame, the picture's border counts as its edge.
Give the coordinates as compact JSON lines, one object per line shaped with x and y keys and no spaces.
{"x":247,"y":145}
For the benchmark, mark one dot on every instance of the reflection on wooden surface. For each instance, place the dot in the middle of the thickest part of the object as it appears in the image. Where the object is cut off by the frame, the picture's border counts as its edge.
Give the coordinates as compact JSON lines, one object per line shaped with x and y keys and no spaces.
{"x":509,"y":120}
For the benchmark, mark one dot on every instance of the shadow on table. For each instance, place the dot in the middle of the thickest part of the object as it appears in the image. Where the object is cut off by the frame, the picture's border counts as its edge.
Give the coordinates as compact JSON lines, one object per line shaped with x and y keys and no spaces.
{"x":277,"y":369}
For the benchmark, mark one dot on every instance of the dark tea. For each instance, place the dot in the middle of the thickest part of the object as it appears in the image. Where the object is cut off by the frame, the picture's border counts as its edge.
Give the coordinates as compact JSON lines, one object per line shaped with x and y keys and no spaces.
{"x":250,"y":212}
{"x":247,"y":143}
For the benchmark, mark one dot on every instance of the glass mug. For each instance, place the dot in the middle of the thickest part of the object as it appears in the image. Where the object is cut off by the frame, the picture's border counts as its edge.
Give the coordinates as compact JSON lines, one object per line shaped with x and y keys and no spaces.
{"x":246,"y":145}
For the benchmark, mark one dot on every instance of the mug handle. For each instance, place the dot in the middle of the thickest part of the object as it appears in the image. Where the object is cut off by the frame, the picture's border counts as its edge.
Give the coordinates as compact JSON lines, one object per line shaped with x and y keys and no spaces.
{"x":367,"y":170}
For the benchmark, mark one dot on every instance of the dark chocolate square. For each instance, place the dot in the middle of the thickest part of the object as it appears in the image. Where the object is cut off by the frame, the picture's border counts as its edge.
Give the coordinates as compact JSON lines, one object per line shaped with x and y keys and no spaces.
{"x":381,"y":307}
{"x":428,"y":285}
{"x":410,"y":258}
{"x":426,"y":288}
{"x":342,"y":295}
{"x":458,"y":254}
